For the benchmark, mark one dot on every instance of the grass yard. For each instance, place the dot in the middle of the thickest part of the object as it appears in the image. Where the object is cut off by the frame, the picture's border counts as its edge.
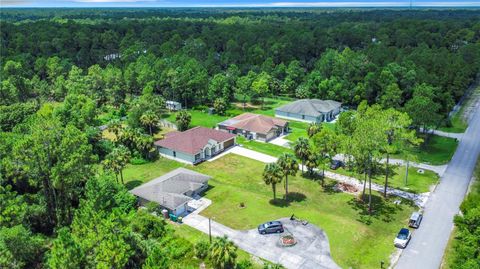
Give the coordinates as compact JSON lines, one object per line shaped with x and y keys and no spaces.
{"x":202,"y":118}
{"x":356,"y":239}
{"x":135,"y":175}
{"x":268,"y":107}
{"x":438,"y":150}
{"x":458,"y":124}
{"x":199,"y":118}
{"x":416,"y":182}
{"x":266,"y":148}
{"x":299,"y":129}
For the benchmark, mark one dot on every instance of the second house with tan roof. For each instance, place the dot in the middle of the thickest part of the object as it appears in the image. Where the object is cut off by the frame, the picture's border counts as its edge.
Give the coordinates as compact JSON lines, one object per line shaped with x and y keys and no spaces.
{"x":255,"y":126}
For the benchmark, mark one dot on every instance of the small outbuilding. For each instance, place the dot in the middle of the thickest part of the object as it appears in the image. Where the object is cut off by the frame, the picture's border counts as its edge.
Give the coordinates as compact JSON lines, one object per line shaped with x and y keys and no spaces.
{"x":173,"y":105}
{"x":309,"y":110}
{"x":173,"y":190}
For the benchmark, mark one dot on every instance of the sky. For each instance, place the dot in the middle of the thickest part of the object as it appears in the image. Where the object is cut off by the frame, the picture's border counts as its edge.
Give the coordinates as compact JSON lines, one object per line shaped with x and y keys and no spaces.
{"x":237,"y":3}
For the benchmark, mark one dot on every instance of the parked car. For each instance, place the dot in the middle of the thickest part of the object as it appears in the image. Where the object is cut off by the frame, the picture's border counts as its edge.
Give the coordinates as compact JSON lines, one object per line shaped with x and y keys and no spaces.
{"x":336,"y":164}
{"x":402,"y":238}
{"x":270,"y":227}
{"x":415,"y":220}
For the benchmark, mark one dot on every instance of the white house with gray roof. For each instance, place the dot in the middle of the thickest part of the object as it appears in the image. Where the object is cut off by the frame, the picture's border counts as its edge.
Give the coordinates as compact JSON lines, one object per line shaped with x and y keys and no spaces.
{"x":309,"y":110}
{"x":173,"y":190}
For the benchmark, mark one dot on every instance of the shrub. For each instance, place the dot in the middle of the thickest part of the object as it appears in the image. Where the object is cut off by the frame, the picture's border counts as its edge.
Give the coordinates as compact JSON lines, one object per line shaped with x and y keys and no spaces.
{"x":201,"y":249}
{"x":244,"y":264}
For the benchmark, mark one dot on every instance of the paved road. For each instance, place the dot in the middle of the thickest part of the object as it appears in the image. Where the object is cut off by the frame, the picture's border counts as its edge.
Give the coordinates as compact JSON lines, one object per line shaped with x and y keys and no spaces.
{"x":428,"y":243}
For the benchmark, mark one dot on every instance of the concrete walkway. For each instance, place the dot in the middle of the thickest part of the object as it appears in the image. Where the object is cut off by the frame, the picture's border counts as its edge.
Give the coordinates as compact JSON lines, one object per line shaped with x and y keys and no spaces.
{"x":311,"y":251}
{"x":445,"y":134}
{"x":281,"y":141}
{"x":419,"y":199}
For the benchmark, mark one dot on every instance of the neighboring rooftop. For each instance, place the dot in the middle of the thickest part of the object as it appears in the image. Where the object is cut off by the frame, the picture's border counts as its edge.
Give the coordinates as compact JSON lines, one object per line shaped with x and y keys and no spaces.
{"x":254,"y":122}
{"x":310,"y":107}
{"x":192,"y":141}
{"x":169,"y":190}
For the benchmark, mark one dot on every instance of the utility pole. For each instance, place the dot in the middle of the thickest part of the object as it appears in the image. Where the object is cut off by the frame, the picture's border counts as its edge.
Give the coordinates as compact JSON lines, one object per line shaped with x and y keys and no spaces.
{"x":406,"y":173}
{"x":210,"y":229}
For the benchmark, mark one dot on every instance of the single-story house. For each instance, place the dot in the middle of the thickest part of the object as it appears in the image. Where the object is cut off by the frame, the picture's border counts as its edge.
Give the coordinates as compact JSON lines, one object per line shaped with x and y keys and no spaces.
{"x":173,"y":190}
{"x":309,"y":110}
{"x":255,"y":126}
{"x":173,"y":105}
{"x":194,"y":145}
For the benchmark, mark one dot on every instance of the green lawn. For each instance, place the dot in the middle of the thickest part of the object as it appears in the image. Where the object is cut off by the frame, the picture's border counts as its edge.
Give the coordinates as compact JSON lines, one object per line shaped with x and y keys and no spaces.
{"x":416,"y":182}
{"x":199,"y":118}
{"x":438,"y":150}
{"x":458,"y":124}
{"x":266,"y":148}
{"x":356,"y":239}
{"x":202,"y":118}
{"x":299,"y":129}
{"x":135,"y":175}
{"x":268,"y":107}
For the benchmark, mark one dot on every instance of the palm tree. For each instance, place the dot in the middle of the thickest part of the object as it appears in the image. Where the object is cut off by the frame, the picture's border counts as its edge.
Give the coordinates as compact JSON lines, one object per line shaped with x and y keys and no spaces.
{"x":272,"y":175}
{"x":302,"y":149}
{"x":289,"y":166}
{"x":149,"y":119}
{"x":223,"y":253}
{"x":115,"y":126}
{"x":183,"y":119}
{"x":312,"y":161}
{"x":116,"y":160}
{"x":314,"y":128}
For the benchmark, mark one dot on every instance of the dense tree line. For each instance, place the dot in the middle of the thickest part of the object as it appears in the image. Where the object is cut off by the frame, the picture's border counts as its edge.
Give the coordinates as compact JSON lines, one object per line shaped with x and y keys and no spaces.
{"x":64,"y":73}
{"x":347,"y":56}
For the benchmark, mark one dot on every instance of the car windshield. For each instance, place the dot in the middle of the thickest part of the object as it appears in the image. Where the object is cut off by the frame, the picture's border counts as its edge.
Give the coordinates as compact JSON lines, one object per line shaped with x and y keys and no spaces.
{"x":402,"y":236}
{"x":265,"y":225}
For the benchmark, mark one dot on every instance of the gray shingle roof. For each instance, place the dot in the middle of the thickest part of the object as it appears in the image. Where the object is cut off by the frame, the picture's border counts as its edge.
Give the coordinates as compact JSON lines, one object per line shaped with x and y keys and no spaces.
{"x":168,"y":190}
{"x":310,"y":107}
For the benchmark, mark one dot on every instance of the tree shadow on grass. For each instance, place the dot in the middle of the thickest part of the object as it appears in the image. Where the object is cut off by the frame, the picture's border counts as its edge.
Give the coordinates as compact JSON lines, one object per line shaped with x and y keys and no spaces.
{"x":329,"y":187}
{"x":292,"y":197}
{"x":132,"y":184}
{"x":381,"y":209}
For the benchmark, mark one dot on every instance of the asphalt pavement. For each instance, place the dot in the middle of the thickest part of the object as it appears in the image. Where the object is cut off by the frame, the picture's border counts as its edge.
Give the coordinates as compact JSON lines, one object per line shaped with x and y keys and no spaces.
{"x":428,"y":243}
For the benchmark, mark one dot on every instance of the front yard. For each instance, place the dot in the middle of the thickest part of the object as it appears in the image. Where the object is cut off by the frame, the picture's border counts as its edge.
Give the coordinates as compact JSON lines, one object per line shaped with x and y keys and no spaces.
{"x":438,"y":150}
{"x":357,"y":240}
{"x":416,"y":182}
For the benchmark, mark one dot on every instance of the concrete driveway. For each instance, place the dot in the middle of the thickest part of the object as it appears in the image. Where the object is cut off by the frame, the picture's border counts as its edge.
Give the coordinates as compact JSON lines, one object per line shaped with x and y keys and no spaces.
{"x":312,"y":250}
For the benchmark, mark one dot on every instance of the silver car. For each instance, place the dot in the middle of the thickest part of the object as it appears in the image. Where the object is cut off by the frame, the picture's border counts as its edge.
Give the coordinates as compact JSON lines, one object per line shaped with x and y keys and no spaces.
{"x":415,"y":220}
{"x":402,"y":238}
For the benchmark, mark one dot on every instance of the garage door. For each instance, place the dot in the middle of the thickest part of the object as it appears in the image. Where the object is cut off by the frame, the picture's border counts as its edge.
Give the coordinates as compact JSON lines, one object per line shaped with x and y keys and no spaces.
{"x":228,"y":143}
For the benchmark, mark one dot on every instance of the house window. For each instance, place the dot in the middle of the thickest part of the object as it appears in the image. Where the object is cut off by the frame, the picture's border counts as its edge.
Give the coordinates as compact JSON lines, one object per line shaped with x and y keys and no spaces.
{"x":174,"y":154}
{"x":197,"y":156}
{"x":303,"y":117}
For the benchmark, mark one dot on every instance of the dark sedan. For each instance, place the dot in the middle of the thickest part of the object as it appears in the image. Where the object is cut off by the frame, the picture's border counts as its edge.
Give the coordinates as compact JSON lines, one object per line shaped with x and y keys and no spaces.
{"x":270,"y":227}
